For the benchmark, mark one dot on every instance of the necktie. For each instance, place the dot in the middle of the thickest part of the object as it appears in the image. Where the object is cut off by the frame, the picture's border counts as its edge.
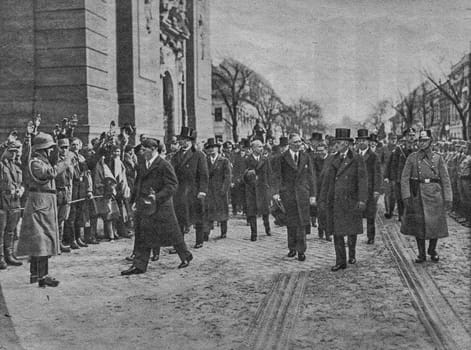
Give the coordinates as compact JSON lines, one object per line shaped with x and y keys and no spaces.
{"x":296,"y":158}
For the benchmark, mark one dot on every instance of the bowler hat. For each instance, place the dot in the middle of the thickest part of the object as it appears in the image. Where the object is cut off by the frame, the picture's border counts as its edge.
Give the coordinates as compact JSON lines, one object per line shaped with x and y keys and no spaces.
{"x":425,"y":135}
{"x":362,"y":134}
{"x":374,"y":138}
{"x":187,"y":133}
{"x":342,"y":134}
{"x":42,"y":141}
{"x":211,"y":143}
{"x":316,"y":136}
{"x":283,"y":141}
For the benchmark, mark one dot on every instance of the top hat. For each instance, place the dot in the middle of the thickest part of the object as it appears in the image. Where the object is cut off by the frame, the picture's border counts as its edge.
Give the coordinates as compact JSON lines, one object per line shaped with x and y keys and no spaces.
{"x":425,"y":135}
{"x":211,"y":143}
{"x":187,"y":133}
{"x":408,"y":131}
{"x":14,"y":145}
{"x":245,"y":143}
{"x":374,"y":138}
{"x":42,"y":141}
{"x":283,"y":141}
{"x":342,"y":134}
{"x":316,"y":136}
{"x":362,"y":134}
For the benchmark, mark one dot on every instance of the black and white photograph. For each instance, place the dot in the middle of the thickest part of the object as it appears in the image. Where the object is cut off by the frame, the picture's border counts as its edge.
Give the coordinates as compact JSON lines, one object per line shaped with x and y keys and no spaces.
{"x":235,"y":174}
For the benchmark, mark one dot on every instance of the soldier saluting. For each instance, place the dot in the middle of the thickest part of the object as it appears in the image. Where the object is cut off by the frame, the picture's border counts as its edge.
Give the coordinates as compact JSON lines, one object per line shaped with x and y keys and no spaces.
{"x":426,"y":190}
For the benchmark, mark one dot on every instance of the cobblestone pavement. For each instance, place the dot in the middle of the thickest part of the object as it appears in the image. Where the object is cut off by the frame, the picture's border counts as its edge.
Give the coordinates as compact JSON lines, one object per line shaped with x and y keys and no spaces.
{"x":236,"y":294}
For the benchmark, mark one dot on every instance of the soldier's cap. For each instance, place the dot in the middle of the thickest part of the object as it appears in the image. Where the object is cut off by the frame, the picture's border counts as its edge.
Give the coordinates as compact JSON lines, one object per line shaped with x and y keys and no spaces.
{"x":150,"y":142}
{"x":408,"y":131}
{"x":425,"y":135}
{"x":42,"y":141}
{"x":14,"y":145}
{"x":63,"y":142}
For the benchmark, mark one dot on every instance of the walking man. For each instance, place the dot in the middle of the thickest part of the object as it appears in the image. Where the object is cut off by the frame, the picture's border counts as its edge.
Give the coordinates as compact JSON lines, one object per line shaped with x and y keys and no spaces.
{"x":426,"y":189}
{"x":295,"y":185}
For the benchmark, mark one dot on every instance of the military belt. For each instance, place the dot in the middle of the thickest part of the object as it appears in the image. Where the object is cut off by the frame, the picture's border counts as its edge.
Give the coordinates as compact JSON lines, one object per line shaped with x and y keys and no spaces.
{"x":41,"y":191}
{"x":427,"y":181}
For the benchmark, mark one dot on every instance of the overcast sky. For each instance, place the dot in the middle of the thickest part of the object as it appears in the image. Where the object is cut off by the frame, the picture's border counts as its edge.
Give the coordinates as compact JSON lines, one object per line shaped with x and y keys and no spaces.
{"x":344,"y":54}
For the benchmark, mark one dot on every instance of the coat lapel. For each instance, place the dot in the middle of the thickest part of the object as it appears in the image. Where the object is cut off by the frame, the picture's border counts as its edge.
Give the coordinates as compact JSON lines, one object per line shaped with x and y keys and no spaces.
{"x":185,"y":157}
{"x":345,"y":163}
{"x":290,"y":160}
{"x":152,"y":166}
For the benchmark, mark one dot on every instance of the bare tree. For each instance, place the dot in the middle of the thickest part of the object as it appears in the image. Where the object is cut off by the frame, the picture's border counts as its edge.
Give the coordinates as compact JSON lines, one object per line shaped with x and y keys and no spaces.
{"x":375,"y":120}
{"x":304,"y":116}
{"x":406,"y":108}
{"x":452,"y":89}
{"x":230,"y":82}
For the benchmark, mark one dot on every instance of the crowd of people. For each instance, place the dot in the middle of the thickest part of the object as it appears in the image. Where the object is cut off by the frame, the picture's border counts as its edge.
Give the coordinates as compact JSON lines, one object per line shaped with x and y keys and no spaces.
{"x":54,"y":191}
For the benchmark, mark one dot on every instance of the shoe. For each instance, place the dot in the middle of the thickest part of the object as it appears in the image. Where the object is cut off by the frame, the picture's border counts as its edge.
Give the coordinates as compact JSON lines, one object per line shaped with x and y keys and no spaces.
{"x":320,"y":235}
{"x":74,"y":245}
{"x":420,"y":260}
{"x":206,"y":237}
{"x":223,"y":235}
{"x":33,"y":279}
{"x":172,"y":251}
{"x":291,"y":253}
{"x":328,"y":238}
{"x":92,"y":241}
{"x":268,"y":232}
{"x":125,"y":235}
{"x":198,"y":245}
{"x":338,"y":267}
{"x":155,"y":257}
{"x":47,"y":281}
{"x":3,"y":265}
{"x":370,"y":241}
{"x":301,"y":257}
{"x":64,"y":248}
{"x":131,"y":271}
{"x":81,"y":243}
{"x":435,"y":257}
{"x":11,"y":260}
{"x":387,"y":215}
{"x":352,"y":261}
{"x":186,"y":262}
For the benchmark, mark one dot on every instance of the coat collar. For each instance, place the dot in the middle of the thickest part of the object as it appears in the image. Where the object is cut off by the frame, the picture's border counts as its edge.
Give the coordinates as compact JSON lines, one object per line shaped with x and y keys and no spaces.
{"x":290,"y":160}
{"x":154,"y":164}
{"x":345,"y":163}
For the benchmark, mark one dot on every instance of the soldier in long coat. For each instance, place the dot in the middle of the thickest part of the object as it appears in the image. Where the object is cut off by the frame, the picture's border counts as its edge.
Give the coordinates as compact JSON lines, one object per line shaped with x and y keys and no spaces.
{"x":345,"y":193}
{"x":257,"y":179}
{"x":373,"y":170}
{"x":217,"y":200}
{"x":426,"y":188}
{"x":464,"y":183}
{"x":295,"y":186}
{"x":39,"y":236}
{"x":156,"y":183}
{"x":191,"y":169}
{"x":11,"y":190}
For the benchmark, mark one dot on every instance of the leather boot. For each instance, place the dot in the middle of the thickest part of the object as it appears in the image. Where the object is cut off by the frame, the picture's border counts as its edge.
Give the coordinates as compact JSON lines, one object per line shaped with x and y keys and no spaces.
{"x":253,"y":228}
{"x":223,"y":229}
{"x":10,"y":258}
{"x":421,"y":248}
{"x":432,"y":250}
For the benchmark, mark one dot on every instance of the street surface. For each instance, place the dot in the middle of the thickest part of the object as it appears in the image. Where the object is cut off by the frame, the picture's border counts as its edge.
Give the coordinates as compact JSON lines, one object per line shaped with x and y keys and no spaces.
{"x":238,"y":294}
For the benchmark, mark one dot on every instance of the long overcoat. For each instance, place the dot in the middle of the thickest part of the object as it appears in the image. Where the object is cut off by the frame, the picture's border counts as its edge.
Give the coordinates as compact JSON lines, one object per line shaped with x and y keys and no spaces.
{"x":39,"y":229}
{"x":258,"y":186}
{"x":346,"y":184}
{"x":157,"y":227}
{"x":426,"y":182}
{"x":317,"y":166}
{"x":217,"y":200}
{"x":191,"y":170}
{"x":295,"y":184}
{"x":373,"y":169}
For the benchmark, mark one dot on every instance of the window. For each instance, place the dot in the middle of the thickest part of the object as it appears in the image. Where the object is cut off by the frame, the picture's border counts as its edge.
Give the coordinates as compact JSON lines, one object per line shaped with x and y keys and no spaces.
{"x":218,"y":114}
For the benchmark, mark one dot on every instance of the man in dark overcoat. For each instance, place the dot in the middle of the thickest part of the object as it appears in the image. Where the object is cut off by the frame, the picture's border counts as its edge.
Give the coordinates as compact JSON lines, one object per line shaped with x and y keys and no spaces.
{"x":427,"y":192}
{"x":257,"y":179}
{"x":295,"y":186}
{"x":317,"y":163}
{"x":191,"y":169}
{"x":345,"y":193}
{"x":323,"y":162}
{"x":155,"y":218}
{"x":373,"y":170}
{"x":217,"y":200}
{"x":237,"y":183}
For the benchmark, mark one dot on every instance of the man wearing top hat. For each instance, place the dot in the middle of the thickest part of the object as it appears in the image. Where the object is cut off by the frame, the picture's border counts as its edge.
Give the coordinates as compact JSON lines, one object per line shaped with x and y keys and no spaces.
{"x":11,"y":190}
{"x":373,"y":170}
{"x":426,"y":191}
{"x":345,"y":193}
{"x":191,"y":169}
{"x":217,"y":199}
{"x":393,"y":171}
{"x":295,"y":186}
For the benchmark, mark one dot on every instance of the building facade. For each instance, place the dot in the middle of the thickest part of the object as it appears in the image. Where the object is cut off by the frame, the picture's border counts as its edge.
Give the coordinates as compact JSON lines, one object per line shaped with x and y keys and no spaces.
{"x":143,"y":62}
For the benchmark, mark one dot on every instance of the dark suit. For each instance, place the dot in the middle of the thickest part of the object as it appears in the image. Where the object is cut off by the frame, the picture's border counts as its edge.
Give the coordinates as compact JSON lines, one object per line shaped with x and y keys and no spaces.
{"x":295,"y":183}
{"x":155,"y":219}
{"x":374,"y":185}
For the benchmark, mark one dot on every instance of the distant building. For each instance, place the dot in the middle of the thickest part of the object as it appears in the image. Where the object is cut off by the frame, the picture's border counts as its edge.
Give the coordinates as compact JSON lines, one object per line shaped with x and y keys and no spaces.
{"x":222,"y":127}
{"x":144,"y":62}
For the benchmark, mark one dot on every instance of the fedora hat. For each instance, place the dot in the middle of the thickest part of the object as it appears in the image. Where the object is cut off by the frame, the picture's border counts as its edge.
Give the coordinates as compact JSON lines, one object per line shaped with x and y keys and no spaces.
{"x":42,"y":141}
{"x":342,"y":134}
{"x":374,"y":138}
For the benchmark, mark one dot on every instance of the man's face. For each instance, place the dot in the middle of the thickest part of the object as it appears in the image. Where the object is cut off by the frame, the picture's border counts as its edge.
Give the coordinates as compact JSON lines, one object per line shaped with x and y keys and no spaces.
{"x":410,"y":138}
{"x":185,"y":143}
{"x":147,"y":152}
{"x":295,"y":143}
{"x":373,"y":145}
{"x":75,"y":146}
{"x":362,"y":144}
{"x":341,"y":146}
{"x":63,"y":150}
{"x":212,"y":151}
{"x":257,"y":148}
{"x":117,"y":153}
{"x":424,"y":144}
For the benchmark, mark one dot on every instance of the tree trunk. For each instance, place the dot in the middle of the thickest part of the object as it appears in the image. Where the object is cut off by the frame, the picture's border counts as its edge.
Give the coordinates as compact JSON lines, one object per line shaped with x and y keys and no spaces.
{"x":235,"y":135}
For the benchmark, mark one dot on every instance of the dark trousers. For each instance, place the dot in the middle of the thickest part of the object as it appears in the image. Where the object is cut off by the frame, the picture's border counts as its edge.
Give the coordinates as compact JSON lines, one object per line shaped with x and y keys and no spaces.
{"x":252,"y":220}
{"x":143,"y":252}
{"x":297,"y":238}
{"x":398,"y":195}
{"x":39,"y":266}
{"x":370,"y":227}
{"x":389,"y":198}
{"x":340,"y":252}
{"x":432,"y":247}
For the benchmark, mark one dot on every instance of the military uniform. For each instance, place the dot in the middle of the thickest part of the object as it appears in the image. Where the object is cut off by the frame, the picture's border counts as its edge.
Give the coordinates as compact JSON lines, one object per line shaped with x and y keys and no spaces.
{"x":464,"y":185}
